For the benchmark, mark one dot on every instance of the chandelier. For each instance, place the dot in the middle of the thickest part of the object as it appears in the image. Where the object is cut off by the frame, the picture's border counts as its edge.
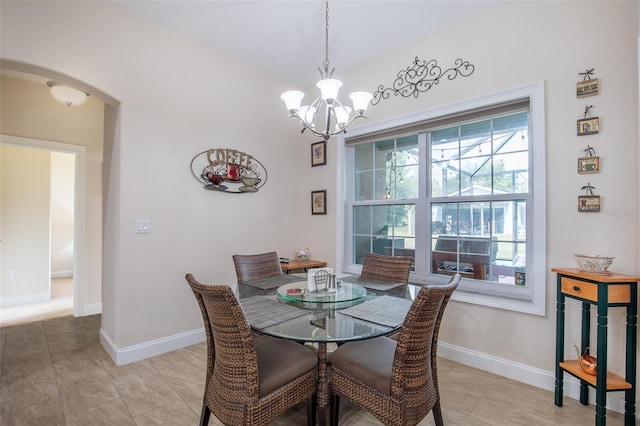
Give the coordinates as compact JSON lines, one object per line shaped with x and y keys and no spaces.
{"x":336,"y":117}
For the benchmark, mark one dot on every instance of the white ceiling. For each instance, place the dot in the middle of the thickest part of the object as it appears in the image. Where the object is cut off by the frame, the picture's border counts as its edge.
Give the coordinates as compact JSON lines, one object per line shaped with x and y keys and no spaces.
{"x":285,"y":39}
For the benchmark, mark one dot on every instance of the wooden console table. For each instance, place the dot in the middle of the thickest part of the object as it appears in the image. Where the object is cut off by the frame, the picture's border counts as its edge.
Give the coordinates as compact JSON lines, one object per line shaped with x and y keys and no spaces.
{"x":605,"y":291}
{"x":301,"y":264}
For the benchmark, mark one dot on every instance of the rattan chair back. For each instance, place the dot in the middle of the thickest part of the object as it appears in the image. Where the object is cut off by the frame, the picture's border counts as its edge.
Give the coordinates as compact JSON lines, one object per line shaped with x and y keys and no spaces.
{"x":413,"y":386}
{"x":255,"y":266}
{"x":233,"y":383}
{"x":387,"y":268}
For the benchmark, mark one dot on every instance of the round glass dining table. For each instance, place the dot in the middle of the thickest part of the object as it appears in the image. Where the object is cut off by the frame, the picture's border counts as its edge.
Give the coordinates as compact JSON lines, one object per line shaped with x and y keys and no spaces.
{"x":321,"y":323}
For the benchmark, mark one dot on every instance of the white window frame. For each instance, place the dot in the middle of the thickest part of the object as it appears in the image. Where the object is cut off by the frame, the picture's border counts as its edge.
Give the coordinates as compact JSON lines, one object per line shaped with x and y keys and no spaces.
{"x":534,"y":302}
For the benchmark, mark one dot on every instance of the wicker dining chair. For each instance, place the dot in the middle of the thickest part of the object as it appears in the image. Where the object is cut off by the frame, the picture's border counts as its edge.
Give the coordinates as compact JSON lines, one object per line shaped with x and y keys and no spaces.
{"x":249,"y":380}
{"x":255,"y":266}
{"x":397,"y":382}
{"x":387,"y":268}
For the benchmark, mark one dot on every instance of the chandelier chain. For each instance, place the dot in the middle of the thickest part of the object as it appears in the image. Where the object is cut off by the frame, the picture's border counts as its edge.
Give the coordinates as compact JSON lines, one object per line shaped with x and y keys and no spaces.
{"x":326,"y":40}
{"x":336,"y":116}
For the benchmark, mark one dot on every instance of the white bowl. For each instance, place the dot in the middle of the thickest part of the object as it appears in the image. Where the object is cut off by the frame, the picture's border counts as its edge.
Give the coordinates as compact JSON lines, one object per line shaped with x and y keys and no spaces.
{"x":593,"y":262}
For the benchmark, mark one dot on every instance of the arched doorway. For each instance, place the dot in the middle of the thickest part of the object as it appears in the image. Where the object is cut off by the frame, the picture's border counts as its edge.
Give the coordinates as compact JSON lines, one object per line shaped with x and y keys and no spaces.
{"x":90,"y":166}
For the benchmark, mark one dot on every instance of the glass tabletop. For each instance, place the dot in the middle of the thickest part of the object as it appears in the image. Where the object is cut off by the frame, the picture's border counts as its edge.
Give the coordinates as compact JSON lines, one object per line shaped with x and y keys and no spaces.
{"x":326,"y":325}
{"x":298,"y":293}
{"x":317,"y":320}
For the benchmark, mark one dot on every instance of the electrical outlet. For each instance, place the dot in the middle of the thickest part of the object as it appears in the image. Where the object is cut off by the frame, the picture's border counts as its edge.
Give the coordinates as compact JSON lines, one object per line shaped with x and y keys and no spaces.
{"x":13,"y":274}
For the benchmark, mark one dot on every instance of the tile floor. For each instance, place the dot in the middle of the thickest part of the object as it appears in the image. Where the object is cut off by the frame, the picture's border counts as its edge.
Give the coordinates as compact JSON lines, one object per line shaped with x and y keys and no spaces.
{"x":60,"y":304}
{"x":55,"y":372}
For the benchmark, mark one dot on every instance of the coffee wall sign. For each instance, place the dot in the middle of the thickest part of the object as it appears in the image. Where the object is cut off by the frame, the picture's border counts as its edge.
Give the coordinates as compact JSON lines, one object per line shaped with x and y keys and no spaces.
{"x":228,"y":170}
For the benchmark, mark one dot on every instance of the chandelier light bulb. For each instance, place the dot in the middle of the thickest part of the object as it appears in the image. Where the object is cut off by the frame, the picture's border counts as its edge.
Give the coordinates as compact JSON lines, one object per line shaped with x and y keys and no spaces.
{"x":292,"y":100}
{"x":342,"y":115}
{"x":360,"y":101}
{"x":329,"y":88}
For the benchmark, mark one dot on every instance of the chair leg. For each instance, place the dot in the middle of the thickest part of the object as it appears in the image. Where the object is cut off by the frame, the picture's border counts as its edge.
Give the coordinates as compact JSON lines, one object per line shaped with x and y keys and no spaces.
{"x":334,"y":410}
{"x":205,"y":414}
{"x":311,"y":410}
{"x":437,"y":413}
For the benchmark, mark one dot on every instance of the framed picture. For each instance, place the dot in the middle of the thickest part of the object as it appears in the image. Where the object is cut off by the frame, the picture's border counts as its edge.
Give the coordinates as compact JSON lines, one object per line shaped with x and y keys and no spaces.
{"x":319,"y":202}
{"x":318,"y":154}
{"x":588,"y":126}
{"x":587,"y":88}
{"x":589,"y":203}
{"x":588,"y":165}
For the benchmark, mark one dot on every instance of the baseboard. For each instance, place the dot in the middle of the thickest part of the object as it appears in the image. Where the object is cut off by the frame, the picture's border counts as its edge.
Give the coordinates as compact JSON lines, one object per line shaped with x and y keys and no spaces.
{"x":62,"y":274}
{"x":525,"y":374}
{"x":90,"y":309}
{"x":122,"y":356}
{"x":6,"y":302}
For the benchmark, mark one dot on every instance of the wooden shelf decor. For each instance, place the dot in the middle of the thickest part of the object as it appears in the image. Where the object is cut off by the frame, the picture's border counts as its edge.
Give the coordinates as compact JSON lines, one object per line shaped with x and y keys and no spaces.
{"x":605,"y":291}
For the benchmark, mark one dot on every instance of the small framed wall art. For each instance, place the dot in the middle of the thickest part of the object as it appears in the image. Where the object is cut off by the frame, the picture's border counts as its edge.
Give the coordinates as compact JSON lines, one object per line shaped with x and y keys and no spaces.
{"x":318,"y":154}
{"x":588,"y":165}
{"x":588,"y":203}
{"x":588,"y":86}
{"x":319,"y":202}
{"x":588,"y":126}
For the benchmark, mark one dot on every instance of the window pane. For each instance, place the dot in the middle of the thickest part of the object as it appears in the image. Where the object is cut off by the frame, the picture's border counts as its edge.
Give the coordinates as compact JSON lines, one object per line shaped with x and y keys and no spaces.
{"x":511,"y":173}
{"x":363,"y":186}
{"x":362,"y":220}
{"x":397,"y":168}
{"x":444,"y":219}
{"x":407,"y":147}
{"x":476,"y":176}
{"x":381,"y":216}
{"x":452,"y":180}
{"x":387,"y":229}
{"x":361,"y":246}
{"x":482,"y":240}
{"x":382,"y":184}
{"x":483,"y":157}
{"x":512,"y":270}
{"x":404,"y":243}
{"x":363,"y":157}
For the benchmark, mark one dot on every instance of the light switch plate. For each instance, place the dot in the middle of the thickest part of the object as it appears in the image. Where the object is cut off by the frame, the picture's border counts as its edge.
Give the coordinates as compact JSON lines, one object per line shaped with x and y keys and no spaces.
{"x":143,"y":226}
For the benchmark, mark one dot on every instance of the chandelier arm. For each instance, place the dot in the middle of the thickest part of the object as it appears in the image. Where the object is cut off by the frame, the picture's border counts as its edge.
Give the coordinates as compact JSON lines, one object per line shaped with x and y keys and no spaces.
{"x":306,"y":127}
{"x":328,"y":115}
{"x":343,"y":128}
{"x":317,"y":103}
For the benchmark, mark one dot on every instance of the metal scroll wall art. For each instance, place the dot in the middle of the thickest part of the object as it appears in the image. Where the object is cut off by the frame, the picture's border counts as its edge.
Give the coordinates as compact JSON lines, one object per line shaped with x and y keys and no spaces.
{"x":420,"y":77}
{"x":228,"y":170}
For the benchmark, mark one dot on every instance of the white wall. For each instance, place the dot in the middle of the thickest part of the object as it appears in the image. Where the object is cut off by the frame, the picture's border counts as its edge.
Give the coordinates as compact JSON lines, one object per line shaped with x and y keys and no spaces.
{"x":25,"y":192}
{"x":516,"y":44}
{"x":62,"y":209}
{"x":176,"y":99}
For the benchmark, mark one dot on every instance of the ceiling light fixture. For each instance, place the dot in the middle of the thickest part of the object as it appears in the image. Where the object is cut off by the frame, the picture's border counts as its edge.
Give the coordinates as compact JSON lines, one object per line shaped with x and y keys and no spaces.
{"x":334,"y":110}
{"x":67,"y":94}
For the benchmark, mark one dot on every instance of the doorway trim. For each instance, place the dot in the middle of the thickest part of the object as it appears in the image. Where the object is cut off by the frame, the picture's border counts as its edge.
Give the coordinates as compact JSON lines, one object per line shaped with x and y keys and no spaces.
{"x":80,"y":305}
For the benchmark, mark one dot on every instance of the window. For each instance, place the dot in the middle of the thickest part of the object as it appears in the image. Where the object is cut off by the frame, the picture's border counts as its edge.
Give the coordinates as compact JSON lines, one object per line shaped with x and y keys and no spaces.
{"x":461,"y":191}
